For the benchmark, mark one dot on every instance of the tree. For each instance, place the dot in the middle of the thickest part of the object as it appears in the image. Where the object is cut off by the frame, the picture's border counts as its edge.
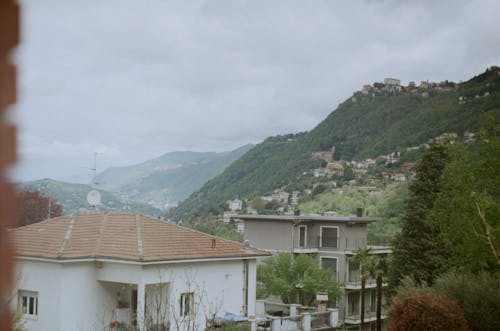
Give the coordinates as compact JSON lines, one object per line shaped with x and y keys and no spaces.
{"x":295,"y":280}
{"x":470,"y":204}
{"x":348,"y":173}
{"x":362,"y":257}
{"x":415,"y":311}
{"x":416,"y":247}
{"x":34,"y":207}
{"x":478,"y":295}
{"x":377,"y":268}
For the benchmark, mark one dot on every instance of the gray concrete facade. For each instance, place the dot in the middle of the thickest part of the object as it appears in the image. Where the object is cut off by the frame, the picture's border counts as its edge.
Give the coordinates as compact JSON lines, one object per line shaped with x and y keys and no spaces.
{"x":332,"y":240}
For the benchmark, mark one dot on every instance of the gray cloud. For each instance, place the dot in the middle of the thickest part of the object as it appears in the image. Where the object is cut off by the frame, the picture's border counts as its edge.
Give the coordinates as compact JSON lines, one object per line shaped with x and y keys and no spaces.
{"x":135,"y":79}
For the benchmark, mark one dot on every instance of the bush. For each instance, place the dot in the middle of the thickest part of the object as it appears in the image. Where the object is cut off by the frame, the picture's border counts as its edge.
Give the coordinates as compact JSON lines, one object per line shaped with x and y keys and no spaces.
{"x":477,"y":294}
{"x":425,"y":311}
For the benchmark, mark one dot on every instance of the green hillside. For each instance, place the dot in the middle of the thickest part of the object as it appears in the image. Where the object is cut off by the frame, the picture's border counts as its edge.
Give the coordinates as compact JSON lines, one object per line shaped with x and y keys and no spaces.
{"x":73,"y":198}
{"x":365,"y":125}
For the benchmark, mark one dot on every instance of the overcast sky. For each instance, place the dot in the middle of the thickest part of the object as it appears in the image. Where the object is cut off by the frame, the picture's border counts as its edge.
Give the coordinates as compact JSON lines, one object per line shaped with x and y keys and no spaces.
{"x":133,"y":79}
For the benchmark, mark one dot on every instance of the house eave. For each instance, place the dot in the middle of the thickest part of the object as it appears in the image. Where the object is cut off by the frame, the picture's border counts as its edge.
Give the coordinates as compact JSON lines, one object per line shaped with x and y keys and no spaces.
{"x":309,"y":218}
{"x":136,"y":262}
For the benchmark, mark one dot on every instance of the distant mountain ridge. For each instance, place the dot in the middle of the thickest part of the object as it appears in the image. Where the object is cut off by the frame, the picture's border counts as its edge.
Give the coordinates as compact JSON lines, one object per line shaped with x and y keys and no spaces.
{"x":372,"y":122}
{"x":172,"y":177}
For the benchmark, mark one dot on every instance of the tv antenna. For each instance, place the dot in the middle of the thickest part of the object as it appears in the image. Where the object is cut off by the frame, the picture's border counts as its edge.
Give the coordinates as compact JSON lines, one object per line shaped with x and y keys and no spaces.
{"x":94,"y":196}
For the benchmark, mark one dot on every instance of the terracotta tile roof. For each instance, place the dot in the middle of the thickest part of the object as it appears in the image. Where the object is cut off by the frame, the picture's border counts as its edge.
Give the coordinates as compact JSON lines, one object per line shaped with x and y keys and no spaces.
{"x":121,"y":236}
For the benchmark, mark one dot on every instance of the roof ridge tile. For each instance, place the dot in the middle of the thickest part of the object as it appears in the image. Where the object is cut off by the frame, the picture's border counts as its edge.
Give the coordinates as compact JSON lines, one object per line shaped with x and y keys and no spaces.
{"x":67,"y":236}
{"x":140,"y":251}
{"x":97,"y":247}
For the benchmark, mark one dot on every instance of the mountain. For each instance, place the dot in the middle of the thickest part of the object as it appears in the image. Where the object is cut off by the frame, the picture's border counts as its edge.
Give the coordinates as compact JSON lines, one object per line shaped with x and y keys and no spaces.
{"x":378,"y":120}
{"x":73,"y":198}
{"x":170,"y":178}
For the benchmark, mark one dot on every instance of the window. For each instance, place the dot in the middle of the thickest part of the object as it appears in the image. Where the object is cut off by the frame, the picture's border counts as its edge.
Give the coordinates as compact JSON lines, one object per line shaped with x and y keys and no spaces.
{"x":28,"y":303}
{"x":186,"y":304}
{"x":302,"y":236}
{"x":330,"y":263}
{"x":329,"y":236}
{"x":354,"y":272}
{"x":353,"y":304}
{"x":373,"y":300}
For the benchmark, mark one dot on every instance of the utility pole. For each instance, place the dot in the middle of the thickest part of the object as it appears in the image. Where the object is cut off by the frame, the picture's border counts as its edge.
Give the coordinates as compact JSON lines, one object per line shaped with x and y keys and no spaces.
{"x":50,"y":206}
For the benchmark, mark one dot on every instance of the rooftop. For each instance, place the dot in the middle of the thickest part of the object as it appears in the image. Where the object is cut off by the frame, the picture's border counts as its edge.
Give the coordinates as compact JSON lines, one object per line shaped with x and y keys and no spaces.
{"x":122,"y":237}
{"x":308,"y":218}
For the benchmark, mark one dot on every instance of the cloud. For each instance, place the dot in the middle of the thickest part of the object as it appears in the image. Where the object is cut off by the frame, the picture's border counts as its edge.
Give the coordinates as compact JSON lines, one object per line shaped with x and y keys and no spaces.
{"x":141,"y":78}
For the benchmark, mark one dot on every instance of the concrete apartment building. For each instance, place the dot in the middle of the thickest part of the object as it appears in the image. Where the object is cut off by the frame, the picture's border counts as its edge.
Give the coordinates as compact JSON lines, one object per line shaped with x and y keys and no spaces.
{"x":333,"y":240}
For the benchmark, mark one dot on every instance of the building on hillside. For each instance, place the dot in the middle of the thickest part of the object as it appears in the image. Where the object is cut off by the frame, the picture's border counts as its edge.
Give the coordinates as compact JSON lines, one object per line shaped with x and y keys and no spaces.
{"x":392,"y":81}
{"x":235,"y":205}
{"x":92,"y":272}
{"x":398,"y":177}
{"x":333,"y":241}
{"x":294,"y":198}
{"x":469,"y":137}
{"x":281,"y":196}
{"x":366,"y":89}
{"x":336,"y":168}
{"x":408,"y":165}
{"x":318,"y":173}
{"x":229,"y":216}
{"x":392,"y":84}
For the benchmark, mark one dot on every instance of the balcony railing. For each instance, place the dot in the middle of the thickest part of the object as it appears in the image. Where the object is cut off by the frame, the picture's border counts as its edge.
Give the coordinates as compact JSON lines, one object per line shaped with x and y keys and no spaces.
{"x":355,"y":317}
{"x":338,"y":243}
{"x":282,"y":317}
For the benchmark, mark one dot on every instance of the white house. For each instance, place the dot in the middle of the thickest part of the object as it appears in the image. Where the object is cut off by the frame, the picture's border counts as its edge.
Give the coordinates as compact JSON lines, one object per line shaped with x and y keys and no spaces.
{"x":88,"y":272}
{"x":235,"y":204}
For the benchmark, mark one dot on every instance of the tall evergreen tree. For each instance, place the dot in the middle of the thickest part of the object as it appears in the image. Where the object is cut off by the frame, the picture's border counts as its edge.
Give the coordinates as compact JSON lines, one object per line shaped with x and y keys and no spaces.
{"x":415,"y":249}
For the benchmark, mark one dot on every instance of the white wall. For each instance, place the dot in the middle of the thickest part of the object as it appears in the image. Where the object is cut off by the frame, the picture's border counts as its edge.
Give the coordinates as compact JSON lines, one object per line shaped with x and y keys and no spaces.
{"x":44,"y":278}
{"x":78,"y":311}
{"x":214,"y":283}
{"x":76,"y":297}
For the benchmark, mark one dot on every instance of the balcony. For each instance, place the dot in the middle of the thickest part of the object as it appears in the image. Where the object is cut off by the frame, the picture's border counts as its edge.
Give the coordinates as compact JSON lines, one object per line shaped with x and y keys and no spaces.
{"x":370,"y":316}
{"x":333,"y":243}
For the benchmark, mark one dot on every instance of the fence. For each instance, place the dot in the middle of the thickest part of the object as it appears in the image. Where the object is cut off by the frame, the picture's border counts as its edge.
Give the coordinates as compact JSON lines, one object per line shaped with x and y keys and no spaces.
{"x":282,"y":317}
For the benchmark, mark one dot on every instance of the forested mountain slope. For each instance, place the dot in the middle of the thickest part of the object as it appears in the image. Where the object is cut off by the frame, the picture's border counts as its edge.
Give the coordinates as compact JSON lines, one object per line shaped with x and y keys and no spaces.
{"x":366,"y":125}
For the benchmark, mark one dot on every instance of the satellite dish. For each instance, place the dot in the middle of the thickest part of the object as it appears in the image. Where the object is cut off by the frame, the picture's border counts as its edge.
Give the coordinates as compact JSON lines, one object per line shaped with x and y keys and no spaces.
{"x":94,"y":198}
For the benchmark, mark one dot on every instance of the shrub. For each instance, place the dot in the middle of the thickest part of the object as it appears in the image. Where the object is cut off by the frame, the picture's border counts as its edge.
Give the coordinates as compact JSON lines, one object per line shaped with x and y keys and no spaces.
{"x":477,"y":294}
{"x":425,"y":311}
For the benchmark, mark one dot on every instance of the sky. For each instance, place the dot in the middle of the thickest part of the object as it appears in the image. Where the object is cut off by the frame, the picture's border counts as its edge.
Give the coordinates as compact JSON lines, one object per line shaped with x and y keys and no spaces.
{"x":134,"y":79}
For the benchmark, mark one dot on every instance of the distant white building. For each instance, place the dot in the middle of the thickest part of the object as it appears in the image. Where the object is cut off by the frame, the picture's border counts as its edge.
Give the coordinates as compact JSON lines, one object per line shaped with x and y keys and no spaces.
{"x":281,"y":196}
{"x":392,"y":82}
{"x":93,"y":272}
{"x":294,"y":198}
{"x":235,"y":204}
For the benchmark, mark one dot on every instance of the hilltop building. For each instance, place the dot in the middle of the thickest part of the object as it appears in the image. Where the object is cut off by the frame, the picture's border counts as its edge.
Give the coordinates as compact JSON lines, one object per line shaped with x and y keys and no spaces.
{"x":392,"y":81}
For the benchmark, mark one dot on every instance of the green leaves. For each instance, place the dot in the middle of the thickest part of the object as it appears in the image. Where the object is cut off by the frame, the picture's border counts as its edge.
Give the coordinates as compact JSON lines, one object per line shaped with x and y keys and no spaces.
{"x":295,"y":280}
{"x":467,"y":211}
{"x":416,"y":247}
